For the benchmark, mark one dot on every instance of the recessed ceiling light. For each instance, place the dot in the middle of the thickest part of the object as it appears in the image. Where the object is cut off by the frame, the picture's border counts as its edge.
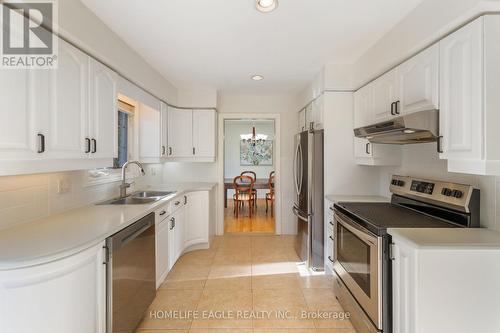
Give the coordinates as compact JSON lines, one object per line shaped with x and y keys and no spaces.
{"x":266,"y":6}
{"x":257,"y":77}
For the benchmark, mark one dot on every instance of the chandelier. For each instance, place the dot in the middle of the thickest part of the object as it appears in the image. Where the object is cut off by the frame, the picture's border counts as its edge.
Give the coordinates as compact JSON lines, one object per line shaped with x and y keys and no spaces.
{"x":253,"y":138}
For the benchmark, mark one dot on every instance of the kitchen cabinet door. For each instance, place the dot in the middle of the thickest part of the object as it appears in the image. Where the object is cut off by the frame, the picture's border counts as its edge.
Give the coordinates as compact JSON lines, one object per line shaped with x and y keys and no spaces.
{"x":162,"y":251}
{"x":66,"y":120}
{"x":461,"y":93}
{"x":317,"y":112}
{"x":164,"y":129}
{"x":385,"y":91}
{"x":18,"y":134}
{"x":197,"y":218}
{"x":103,"y":111}
{"x":309,"y":116}
{"x":176,"y":236}
{"x":403,"y":289}
{"x":67,"y":295}
{"x":150,"y":121}
{"x":204,"y":128}
{"x":362,"y":148}
{"x":302,"y":120}
{"x":419,"y":82}
{"x":362,"y":107}
{"x":180,"y":132}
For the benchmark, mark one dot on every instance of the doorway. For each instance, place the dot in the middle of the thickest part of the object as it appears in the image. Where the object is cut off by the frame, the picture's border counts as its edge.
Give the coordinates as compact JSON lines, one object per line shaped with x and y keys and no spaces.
{"x":250,"y":156}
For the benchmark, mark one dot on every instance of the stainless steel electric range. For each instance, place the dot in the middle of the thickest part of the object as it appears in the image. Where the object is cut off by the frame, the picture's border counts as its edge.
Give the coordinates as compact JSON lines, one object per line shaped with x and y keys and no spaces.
{"x":362,"y":251}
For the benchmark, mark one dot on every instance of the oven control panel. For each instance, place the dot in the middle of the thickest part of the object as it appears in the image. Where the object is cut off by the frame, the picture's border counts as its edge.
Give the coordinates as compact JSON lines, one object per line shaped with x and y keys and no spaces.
{"x":422,"y":187}
{"x":453,"y":195}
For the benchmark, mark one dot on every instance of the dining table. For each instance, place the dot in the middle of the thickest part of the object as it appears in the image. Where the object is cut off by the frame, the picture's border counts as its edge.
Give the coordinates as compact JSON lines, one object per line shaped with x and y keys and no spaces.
{"x":260,"y":184}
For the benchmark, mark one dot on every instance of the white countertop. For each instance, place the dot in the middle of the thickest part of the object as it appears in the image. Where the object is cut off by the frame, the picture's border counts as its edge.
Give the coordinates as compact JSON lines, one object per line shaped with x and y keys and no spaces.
{"x":448,"y":238}
{"x":334,"y":198}
{"x":67,"y":233}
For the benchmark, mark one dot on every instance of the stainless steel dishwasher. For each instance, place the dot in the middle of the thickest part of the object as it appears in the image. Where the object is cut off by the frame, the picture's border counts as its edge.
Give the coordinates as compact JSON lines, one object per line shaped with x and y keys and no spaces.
{"x":130,"y":275}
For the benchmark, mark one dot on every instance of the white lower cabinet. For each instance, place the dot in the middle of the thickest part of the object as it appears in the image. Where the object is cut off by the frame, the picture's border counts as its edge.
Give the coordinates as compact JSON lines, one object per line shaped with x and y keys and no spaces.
{"x":162,"y":254}
{"x":67,"y":295}
{"x":367,"y":153}
{"x":197,"y":216}
{"x":176,"y":236}
{"x":444,"y":289}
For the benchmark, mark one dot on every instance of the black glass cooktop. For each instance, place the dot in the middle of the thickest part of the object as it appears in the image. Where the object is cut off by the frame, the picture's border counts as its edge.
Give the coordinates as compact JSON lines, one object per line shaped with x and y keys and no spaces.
{"x":377,"y":217}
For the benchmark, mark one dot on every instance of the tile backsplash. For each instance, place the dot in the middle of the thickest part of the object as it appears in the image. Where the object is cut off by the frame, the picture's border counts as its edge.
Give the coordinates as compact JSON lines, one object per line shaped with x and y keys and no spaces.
{"x":29,"y":197}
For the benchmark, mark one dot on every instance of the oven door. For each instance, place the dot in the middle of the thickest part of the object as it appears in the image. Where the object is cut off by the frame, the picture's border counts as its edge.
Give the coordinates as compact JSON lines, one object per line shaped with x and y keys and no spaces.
{"x":358,"y":255}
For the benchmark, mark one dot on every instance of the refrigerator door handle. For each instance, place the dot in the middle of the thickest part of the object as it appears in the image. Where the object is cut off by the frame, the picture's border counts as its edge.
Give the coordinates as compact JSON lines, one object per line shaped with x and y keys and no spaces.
{"x":296,"y":212}
{"x":301,"y":169}
{"x":295,"y":171}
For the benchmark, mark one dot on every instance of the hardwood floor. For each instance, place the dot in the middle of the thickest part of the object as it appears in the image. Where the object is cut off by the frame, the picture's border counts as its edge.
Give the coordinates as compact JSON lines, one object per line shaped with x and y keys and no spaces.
{"x":259,"y":223}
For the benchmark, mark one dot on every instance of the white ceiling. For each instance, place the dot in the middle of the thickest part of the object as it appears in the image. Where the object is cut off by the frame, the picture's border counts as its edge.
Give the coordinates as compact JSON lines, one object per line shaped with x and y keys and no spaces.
{"x":222,"y":43}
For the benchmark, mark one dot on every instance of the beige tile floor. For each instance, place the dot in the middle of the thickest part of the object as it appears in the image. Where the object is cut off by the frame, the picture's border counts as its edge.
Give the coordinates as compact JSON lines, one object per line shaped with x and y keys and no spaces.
{"x":244,"y":275}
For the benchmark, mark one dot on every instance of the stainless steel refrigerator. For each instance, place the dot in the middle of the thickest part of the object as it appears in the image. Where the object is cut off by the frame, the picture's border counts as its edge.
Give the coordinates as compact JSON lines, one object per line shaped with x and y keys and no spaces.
{"x":308,"y":207}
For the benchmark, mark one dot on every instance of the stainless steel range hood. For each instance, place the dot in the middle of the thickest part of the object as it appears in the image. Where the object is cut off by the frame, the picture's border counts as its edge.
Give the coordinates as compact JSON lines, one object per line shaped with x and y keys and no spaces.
{"x":418,"y":127}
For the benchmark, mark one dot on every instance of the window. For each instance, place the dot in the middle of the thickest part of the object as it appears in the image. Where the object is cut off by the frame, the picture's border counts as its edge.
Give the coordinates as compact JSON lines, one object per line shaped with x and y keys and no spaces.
{"x":123,"y":123}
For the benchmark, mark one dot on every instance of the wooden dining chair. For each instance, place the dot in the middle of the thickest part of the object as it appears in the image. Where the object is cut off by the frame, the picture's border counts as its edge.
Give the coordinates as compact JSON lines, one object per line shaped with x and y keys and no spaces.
{"x":254,"y":191}
{"x":243,"y":186}
{"x":270,"y":194}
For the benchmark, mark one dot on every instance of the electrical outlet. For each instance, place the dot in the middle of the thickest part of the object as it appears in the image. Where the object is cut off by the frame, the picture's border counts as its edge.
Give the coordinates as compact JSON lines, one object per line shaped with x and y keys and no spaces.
{"x":63,"y":185}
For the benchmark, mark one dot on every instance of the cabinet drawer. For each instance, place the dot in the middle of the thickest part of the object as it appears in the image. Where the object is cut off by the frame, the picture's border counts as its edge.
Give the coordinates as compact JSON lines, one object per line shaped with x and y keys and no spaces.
{"x":162,"y":213}
{"x":176,"y":203}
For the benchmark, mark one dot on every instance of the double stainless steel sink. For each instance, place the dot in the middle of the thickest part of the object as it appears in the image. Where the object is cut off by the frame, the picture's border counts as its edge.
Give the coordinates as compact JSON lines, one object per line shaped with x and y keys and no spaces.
{"x":139,"y":198}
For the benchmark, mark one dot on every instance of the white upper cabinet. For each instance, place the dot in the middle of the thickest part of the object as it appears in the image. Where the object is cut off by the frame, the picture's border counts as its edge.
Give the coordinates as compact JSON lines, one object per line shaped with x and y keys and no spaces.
{"x":180,"y":132}
{"x":65,"y":122}
{"x":419,"y":82}
{"x":302,"y":120}
{"x":18,"y":136}
{"x":103,"y":111}
{"x":385,"y":93}
{"x":192,"y":135}
{"x":362,"y":107}
{"x":204,"y":127}
{"x":164,"y":129}
{"x":59,"y":119}
{"x":150,"y":121}
{"x":469,"y":97}
{"x":461,"y":92}
{"x":367,"y":153}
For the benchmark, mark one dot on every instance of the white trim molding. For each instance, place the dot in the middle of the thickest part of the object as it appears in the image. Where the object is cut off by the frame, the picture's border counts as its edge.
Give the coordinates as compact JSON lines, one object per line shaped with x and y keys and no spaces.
{"x":220,"y":166}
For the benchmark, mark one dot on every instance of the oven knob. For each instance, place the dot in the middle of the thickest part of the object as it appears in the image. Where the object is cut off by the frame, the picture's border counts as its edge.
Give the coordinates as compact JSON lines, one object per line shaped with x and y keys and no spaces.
{"x":394,"y":182}
{"x":457,"y":194}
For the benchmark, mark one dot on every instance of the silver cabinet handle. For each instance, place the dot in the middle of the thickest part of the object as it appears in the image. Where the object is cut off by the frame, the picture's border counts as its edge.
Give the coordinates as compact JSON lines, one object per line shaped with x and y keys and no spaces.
{"x":367,"y":148}
{"x":172,"y":224}
{"x":163,"y":150}
{"x":330,"y":258}
{"x":177,"y":203}
{"x":440,"y":144}
{"x":396,"y":109}
{"x":170,"y":150}
{"x":163,"y":213}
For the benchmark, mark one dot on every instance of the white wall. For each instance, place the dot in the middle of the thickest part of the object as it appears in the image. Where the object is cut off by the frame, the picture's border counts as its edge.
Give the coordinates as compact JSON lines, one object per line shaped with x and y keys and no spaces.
{"x":427,"y":23}
{"x":286,"y":107}
{"x":341,"y":174}
{"x":78,"y":24}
